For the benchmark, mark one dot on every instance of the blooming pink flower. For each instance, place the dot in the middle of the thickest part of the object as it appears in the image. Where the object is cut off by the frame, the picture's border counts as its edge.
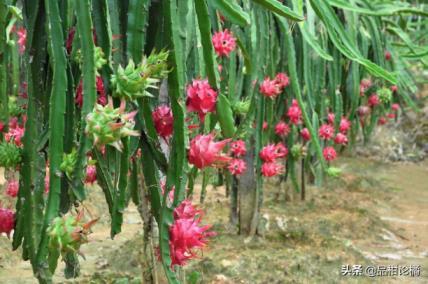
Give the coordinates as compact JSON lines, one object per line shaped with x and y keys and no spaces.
{"x":163,"y":120}
{"x":271,"y":152}
{"x":329,"y":153}
{"x":237,"y":166}
{"x":269,"y":88}
{"x":102,"y":98}
{"x":373,"y":100}
{"x":341,"y":139}
{"x":224,"y":42}
{"x":201,"y":98}
{"x":381,"y":121}
{"x":326,"y":131}
{"x":330,"y":117}
{"x":270,"y":169}
{"x":91,"y":174}
{"x":204,"y":152}
{"x":395,"y":107}
{"x":186,"y":234}
{"x":15,"y":135}
{"x":394,"y":88}
{"x":294,"y":113}
{"x":1,"y":126}
{"x":387,"y":55}
{"x":7,"y":221}
{"x":282,"y":129}
{"x":344,"y":125}
{"x":22,"y":39}
{"x":185,"y":210}
{"x":282,"y":80}
{"x":281,"y":150}
{"x":238,"y":148}
{"x":306,"y":135}
{"x":268,"y":153}
{"x":12,"y":188}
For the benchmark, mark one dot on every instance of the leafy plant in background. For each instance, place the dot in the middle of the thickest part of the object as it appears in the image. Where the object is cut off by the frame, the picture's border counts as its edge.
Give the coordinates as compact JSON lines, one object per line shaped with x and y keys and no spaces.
{"x":146,"y":96}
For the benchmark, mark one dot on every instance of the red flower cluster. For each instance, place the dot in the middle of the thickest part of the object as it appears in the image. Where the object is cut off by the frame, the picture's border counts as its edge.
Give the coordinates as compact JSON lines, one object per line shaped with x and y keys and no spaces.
{"x":12,"y":188}
{"x":344,"y":125}
{"x":395,"y":107}
{"x":237,"y":166}
{"x":201,"y":98}
{"x":15,"y":133}
{"x":306,"y":135}
{"x":102,"y":98}
{"x":91,"y":174}
{"x":7,"y":221}
{"x":22,"y":39}
{"x":272,"y":88}
{"x":373,"y":100}
{"x":204,"y":152}
{"x":238,"y":148}
{"x":163,"y":120}
{"x":269,"y":154}
{"x":341,"y":139}
{"x":224,"y":43}
{"x":326,"y":131}
{"x":282,"y":129}
{"x":387,"y":55}
{"x":329,"y":153}
{"x":294,"y":112}
{"x":330,"y":117}
{"x":186,"y":234}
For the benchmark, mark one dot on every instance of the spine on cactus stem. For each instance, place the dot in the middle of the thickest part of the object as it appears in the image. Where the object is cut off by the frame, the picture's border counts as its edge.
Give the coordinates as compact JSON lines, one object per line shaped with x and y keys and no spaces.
{"x":56,"y":125}
{"x":84,"y":27}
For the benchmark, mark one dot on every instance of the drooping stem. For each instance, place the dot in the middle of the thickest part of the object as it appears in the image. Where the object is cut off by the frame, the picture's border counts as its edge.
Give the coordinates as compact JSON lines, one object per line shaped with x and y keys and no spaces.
{"x":84,"y":26}
{"x":56,"y":127}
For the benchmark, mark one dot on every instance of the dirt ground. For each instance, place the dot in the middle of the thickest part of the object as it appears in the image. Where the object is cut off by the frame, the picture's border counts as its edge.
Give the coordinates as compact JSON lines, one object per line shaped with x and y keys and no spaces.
{"x":375,"y":214}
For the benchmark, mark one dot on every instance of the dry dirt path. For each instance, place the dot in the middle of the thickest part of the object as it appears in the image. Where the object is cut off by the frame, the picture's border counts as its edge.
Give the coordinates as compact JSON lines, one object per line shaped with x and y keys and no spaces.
{"x":405,"y":212}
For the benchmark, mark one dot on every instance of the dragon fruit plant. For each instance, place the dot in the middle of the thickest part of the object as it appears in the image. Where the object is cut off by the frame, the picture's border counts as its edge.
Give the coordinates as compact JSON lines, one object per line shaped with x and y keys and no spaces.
{"x":143,"y":97}
{"x":66,"y":235}
{"x":107,"y":125}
